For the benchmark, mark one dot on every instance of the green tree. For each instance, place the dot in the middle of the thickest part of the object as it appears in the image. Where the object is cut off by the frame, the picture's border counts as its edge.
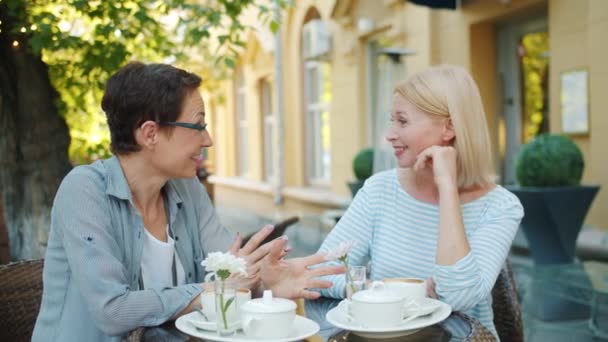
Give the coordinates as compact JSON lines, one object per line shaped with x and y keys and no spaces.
{"x":55,"y":57}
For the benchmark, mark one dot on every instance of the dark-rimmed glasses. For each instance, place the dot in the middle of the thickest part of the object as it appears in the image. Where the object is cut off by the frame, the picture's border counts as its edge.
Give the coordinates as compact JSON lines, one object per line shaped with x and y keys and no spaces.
{"x":197,"y":127}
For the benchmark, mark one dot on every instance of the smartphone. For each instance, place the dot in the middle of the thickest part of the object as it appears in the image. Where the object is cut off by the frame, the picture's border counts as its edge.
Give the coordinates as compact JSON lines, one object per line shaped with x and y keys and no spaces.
{"x":279,"y":229}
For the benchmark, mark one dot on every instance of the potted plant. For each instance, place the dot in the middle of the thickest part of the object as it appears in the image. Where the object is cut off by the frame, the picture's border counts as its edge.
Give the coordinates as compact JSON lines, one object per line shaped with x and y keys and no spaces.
{"x":549,"y":171}
{"x":363,"y":167}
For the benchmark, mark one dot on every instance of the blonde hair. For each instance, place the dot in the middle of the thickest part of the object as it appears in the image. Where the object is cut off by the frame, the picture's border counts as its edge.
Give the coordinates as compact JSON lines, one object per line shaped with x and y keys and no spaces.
{"x":449,"y":91}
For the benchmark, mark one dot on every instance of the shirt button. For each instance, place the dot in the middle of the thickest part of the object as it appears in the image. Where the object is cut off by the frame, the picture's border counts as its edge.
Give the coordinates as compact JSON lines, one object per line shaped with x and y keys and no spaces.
{"x":189,"y":275}
{"x":176,"y":238}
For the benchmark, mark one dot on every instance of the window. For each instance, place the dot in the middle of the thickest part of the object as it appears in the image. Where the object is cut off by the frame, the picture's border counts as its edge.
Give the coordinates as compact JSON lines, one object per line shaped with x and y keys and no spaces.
{"x":387,"y":68}
{"x":317,"y":92}
{"x":242,"y":126}
{"x":269,"y":129}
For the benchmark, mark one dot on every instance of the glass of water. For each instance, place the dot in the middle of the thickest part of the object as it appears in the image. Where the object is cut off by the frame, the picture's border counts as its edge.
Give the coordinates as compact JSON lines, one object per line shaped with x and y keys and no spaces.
{"x":355,"y":280}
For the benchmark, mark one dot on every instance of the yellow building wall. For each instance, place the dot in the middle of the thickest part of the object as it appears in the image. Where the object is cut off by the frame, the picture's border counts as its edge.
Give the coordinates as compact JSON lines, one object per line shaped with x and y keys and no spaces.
{"x":223,"y":132}
{"x":294,"y":115}
{"x":466,"y":36}
{"x":578,"y":33}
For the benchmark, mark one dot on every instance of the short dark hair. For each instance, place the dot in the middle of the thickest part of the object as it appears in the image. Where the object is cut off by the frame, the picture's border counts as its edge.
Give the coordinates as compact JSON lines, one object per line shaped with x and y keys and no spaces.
{"x":139,"y":92}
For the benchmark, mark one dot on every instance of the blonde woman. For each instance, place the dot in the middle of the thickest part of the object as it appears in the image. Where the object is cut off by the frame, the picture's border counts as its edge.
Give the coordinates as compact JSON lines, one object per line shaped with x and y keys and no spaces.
{"x":439,"y":215}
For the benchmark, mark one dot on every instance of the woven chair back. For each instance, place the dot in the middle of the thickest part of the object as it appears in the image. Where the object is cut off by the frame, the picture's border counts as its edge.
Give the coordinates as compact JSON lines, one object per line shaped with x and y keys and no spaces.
{"x":505,"y":304}
{"x":20,"y":296}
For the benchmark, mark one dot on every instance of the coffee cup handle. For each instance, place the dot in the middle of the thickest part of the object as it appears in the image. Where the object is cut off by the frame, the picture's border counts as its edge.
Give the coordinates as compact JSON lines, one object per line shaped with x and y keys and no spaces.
{"x":377,"y":285}
{"x":208,"y":276}
{"x":344,"y":307}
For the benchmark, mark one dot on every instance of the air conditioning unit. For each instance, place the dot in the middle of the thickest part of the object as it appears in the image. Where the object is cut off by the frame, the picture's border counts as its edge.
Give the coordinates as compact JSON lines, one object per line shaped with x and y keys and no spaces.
{"x":316,"y":40}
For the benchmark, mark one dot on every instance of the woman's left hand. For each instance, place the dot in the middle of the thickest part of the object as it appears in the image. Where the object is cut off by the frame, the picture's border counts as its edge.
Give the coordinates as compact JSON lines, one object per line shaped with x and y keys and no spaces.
{"x":297,"y":277}
{"x":253,"y":254}
{"x":442,"y":161}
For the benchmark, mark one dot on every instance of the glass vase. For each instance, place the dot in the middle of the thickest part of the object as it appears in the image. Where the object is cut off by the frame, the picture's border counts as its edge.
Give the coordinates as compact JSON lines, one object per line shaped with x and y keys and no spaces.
{"x":355,"y":279}
{"x":226,"y":307}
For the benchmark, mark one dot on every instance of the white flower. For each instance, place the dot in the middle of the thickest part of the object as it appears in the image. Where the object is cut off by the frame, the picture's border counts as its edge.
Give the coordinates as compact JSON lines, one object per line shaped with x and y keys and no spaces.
{"x":340,"y":252}
{"x":225,"y":262}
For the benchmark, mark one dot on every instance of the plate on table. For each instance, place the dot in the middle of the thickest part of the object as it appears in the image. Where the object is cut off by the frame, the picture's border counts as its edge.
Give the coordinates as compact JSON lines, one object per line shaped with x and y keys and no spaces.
{"x":302,"y":329}
{"x":337,"y":318}
{"x":199,"y":321}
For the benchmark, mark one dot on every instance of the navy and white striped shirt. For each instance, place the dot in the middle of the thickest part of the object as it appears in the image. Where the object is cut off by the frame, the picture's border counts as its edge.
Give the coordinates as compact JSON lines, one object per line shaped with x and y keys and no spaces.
{"x":398,"y":234}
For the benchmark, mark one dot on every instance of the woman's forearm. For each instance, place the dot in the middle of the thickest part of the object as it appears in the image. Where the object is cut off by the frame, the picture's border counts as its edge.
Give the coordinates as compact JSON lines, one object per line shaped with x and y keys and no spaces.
{"x":452,"y":243}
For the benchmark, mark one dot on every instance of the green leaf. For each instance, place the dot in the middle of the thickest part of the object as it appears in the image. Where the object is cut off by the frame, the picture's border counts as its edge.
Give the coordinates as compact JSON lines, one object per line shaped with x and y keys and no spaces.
{"x":229,"y":62}
{"x":274,"y":26}
{"x":222,"y":39}
{"x":228,"y":304}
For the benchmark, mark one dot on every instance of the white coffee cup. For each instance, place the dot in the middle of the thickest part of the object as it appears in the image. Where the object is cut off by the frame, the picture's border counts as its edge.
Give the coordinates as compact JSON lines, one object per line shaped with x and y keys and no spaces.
{"x":243,"y":295}
{"x":409,"y":289}
{"x":267,"y":317}
{"x":375,"y":308}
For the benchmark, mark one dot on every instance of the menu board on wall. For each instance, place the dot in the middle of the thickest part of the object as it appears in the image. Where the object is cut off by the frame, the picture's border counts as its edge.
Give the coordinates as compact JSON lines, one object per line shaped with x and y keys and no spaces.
{"x":574,"y":100}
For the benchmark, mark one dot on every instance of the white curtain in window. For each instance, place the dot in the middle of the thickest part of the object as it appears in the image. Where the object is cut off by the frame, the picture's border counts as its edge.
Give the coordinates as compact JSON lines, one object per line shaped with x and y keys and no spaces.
{"x":389,"y":73}
{"x":269,"y":124}
{"x":242,"y":125}
{"x":318,"y":97}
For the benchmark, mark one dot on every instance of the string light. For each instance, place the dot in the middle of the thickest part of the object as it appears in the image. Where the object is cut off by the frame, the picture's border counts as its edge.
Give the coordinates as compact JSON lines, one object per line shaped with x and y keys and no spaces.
{"x":33,"y":27}
{"x":23,"y":30}
{"x":15,"y":44}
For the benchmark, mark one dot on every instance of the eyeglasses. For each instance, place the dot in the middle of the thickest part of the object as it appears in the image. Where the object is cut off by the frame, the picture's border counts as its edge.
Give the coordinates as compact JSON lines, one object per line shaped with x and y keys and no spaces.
{"x":197,"y":127}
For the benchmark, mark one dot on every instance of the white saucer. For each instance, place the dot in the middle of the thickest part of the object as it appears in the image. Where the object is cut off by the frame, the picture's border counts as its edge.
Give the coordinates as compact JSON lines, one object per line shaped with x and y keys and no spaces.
{"x":337,"y":318}
{"x":199,"y":321}
{"x":302,"y":329}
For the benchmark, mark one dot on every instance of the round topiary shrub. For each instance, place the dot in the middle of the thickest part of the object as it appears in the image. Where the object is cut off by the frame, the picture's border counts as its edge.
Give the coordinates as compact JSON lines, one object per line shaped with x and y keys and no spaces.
{"x":549,"y":160}
{"x":363,"y":164}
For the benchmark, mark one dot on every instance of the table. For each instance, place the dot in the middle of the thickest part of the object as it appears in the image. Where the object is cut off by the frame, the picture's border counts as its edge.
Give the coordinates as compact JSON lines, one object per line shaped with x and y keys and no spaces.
{"x":458,"y":327}
{"x":566,"y":288}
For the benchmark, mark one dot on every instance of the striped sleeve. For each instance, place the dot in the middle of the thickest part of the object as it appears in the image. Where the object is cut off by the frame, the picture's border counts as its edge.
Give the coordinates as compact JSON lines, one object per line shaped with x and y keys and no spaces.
{"x":470,"y":280}
{"x":355,"y":226}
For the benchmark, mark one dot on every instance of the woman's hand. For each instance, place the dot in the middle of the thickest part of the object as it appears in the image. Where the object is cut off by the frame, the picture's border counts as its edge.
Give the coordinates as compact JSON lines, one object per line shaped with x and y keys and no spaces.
{"x":442,"y":161}
{"x":253,"y":254}
{"x":293,"y":278}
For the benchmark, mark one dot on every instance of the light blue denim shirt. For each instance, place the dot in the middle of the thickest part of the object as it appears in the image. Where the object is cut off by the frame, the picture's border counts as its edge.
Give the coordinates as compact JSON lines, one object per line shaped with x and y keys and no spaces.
{"x":93,"y":257}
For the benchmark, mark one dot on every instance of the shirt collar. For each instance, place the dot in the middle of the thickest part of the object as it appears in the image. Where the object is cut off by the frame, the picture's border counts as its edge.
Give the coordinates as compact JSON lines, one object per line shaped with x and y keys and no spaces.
{"x":118,"y":186}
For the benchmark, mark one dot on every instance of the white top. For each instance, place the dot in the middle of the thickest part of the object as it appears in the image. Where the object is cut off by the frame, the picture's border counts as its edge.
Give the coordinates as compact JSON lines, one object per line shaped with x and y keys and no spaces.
{"x":157,"y":260}
{"x":398,"y":233}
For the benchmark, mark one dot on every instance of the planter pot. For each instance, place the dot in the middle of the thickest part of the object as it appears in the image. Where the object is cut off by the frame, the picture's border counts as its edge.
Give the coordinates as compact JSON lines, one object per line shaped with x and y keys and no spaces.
{"x":355,"y":186}
{"x":553,"y":218}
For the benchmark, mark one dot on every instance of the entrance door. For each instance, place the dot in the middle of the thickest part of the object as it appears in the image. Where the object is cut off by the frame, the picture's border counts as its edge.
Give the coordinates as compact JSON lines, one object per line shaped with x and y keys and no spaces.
{"x":523,"y":65}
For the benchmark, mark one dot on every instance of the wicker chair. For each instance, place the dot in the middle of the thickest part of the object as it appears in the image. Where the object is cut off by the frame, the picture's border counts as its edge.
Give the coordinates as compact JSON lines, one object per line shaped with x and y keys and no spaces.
{"x":135,"y":335}
{"x":20,"y":295}
{"x":505,"y":304}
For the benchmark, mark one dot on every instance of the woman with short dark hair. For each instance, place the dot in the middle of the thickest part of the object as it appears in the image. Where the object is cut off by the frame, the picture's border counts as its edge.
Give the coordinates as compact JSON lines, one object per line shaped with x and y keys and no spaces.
{"x":128,"y":233}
